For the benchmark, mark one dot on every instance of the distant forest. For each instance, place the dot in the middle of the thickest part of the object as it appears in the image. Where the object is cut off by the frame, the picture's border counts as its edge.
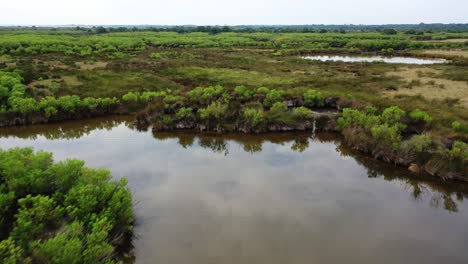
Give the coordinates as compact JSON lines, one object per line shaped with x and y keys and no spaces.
{"x":389,"y":28}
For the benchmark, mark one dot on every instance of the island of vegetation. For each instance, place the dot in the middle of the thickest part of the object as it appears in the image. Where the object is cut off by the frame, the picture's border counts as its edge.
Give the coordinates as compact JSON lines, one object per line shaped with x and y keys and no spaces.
{"x":60,"y":212}
{"x":252,"y":80}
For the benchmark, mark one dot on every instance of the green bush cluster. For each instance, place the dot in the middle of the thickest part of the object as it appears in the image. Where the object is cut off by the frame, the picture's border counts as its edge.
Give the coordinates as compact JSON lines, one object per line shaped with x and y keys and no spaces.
{"x":60,"y":212}
{"x":385,"y":128}
{"x":118,"y":44}
{"x":313,"y":98}
{"x":13,"y":98}
{"x":459,"y":150}
{"x":218,"y":108}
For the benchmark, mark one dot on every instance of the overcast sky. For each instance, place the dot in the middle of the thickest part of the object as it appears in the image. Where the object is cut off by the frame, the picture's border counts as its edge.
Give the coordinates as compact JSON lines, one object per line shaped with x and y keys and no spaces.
{"x":231,"y":12}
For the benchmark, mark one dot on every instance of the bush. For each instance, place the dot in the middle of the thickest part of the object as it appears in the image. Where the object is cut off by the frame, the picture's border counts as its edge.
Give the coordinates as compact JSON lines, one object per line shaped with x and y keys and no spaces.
{"x":155,"y":55}
{"x":420,"y":116}
{"x":205,"y":95}
{"x":302,"y":113}
{"x":387,"y":135}
{"x":185,"y":113}
{"x":263,"y":90}
{"x":254,"y":117}
{"x":216,"y":111}
{"x":313,"y":98}
{"x":130,"y":96}
{"x":273,"y":96}
{"x":459,"y":127}
{"x":418,"y":143}
{"x":244,"y":93}
{"x":66,"y":213}
{"x":459,"y":150}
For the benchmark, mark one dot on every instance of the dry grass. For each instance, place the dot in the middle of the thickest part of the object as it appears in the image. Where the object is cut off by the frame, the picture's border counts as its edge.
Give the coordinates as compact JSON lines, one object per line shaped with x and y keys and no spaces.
{"x":71,"y":80}
{"x":420,"y":82}
{"x":87,"y":66}
{"x":52,"y":64}
{"x":451,"y":53}
{"x":460,"y":40}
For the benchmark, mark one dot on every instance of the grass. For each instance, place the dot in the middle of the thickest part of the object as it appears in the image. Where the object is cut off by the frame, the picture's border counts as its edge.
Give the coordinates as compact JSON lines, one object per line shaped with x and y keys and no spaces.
{"x":430,"y":88}
{"x":227,"y":77}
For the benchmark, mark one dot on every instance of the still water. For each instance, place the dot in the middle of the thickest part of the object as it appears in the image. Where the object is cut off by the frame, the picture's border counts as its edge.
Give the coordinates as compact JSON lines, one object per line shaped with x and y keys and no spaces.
{"x":279,"y":198}
{"x":396,"y":60}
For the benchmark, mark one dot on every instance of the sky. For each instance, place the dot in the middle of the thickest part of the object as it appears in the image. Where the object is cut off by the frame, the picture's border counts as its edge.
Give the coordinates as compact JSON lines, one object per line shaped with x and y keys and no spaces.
{"x":232,"y":12}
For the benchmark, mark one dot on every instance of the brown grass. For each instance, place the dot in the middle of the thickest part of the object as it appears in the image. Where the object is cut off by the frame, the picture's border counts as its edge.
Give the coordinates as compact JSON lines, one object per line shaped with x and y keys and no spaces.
{"x":460,"y":40}
{"x":451,"y":53}
{"x":420,"y":82}
{"x":87,"y":66}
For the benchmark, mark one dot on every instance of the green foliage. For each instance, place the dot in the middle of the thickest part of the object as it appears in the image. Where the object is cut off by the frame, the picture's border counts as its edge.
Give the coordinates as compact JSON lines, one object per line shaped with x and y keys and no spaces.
{"x":313,"y":98}
{"x":205,"y":95}
{"x":302,"y":113}
{"x":459,"y":127}
{"x":130,"y":97}
{"x":273,"y":96}
{"x":10,"y":253}
{"x":172,"y":101}
{"x":418,"y":143}
{"x":155,"y":55}
{"x":386,"y":134}
{"x":420,"y":116}
{"x":254,"y":117}
{"x":66,"y":213}
{"x":385,"y":129}
{"x":185,"y":113}
{"x":393,"y":115}
{"x":263,"y":90}
{"x":216,"y":111}
{"x":244,"y":93}
{"x":459,"y":150}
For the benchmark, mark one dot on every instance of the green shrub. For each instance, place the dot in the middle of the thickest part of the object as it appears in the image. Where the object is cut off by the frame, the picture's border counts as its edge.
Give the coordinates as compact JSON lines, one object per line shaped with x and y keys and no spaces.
{"x":273,"y":96}
{"x":418,"y":143}
{"x":302,"y":113}
{"x":254,"y":117}
{"x":393,"y":115}
{"x":66,"y":213}
{"x":263,"y":90}
{"x":420,"y":116}
{"x":205,"y":95}
{"x":313,"y":98}
{"x":155,"y":55}
{"x":216,"y":111}
{"x":387,"y":135}
{"x":185,"y":113}
{"x":459,"y":150}
{"x":130,"y":97}
{"x":244,"y":93}
{"x":459,"y":127}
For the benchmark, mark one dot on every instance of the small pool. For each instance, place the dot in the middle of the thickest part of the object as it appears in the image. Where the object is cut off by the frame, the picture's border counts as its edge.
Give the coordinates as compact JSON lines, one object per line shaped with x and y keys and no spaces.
{"x":395,"y":60}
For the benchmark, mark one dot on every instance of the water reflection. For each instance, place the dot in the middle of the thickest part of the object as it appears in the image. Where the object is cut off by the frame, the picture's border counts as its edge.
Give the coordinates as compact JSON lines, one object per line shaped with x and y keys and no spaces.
{"x":273,"y":198}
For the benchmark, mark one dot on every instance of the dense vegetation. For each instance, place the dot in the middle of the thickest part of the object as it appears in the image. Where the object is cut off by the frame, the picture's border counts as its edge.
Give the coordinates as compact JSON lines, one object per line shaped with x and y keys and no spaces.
{"x":216,"y":79}
{"x":218,"y":109}
{"x":60,"y":212}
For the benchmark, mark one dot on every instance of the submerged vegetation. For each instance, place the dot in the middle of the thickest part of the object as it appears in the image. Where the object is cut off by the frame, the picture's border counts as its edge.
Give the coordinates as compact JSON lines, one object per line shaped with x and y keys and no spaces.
{"x":60,"y":212}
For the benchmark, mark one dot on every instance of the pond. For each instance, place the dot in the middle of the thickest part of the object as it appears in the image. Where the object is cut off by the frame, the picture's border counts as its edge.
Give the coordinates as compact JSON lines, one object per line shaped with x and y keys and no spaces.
{"x":395,"y":60}
{"x":275,"y":198}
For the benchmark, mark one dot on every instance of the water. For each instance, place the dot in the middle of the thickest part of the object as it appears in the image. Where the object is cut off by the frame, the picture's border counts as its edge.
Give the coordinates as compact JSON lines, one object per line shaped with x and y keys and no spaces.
{"x":278,"y":198}
{"x":396,"y":60}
